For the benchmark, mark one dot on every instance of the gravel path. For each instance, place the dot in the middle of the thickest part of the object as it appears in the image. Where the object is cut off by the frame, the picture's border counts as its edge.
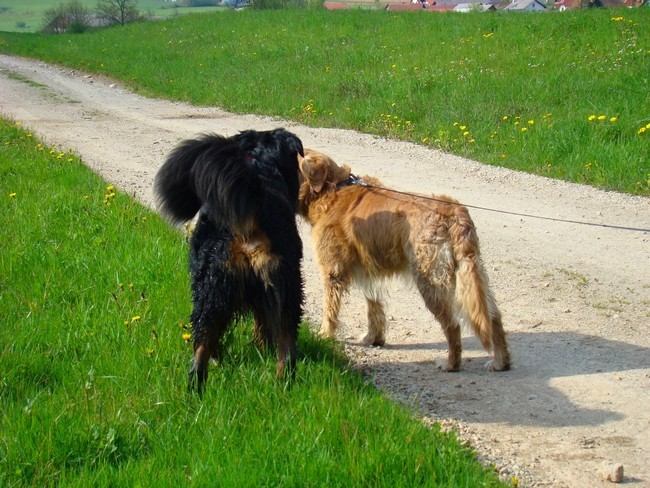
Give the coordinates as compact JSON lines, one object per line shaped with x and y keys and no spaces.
{"x":575,"y":298}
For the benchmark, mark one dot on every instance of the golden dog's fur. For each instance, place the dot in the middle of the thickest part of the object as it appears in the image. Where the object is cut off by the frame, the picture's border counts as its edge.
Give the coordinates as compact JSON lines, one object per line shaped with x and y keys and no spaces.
{"x":365,"y":235}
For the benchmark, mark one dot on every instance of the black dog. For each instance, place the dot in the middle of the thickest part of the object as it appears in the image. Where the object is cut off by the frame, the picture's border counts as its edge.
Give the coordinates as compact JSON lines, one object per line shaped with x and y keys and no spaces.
{"x":245,"y":251}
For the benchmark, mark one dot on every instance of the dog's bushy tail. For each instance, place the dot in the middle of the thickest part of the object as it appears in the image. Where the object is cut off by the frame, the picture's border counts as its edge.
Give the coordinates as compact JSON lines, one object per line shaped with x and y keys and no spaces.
{"x":210,"y":172}
{"x":473,"y":293}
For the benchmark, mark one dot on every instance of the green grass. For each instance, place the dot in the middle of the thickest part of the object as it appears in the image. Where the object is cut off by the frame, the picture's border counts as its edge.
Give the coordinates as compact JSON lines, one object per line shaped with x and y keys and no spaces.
{"x":27,"y":15}
{"x":94,"y":297}
{"x":505,"y":89}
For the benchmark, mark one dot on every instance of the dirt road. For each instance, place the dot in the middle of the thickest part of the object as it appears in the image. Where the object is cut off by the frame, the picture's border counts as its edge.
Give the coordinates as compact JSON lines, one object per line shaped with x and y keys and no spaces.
{"x":575,"y":298}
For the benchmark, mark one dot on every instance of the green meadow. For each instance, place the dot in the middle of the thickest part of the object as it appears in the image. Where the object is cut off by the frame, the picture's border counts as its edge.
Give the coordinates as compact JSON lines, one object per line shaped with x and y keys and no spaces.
{"x":94,"y":356}
{"x":560,"y":94}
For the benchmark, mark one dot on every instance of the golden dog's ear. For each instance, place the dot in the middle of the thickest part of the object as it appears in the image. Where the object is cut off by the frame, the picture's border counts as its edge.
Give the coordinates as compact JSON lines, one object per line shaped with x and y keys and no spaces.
{"x":339,"y":174}
{"x":320,"y":170}
{"x":314,"y":170}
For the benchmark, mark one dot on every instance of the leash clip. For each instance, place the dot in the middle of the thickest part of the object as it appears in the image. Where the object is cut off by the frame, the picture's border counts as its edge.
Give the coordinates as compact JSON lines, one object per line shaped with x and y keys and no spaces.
{"x":356,"y":181}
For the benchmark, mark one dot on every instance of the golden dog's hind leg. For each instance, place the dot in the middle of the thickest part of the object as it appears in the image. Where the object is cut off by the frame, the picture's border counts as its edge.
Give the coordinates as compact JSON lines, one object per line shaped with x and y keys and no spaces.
{"x":376,"y":323}
{"x":334,"y":287}
{"x":501,"y":359}
{"x":477,"y":302}
{"x":454,"y":353}
{"x":439,"y":307}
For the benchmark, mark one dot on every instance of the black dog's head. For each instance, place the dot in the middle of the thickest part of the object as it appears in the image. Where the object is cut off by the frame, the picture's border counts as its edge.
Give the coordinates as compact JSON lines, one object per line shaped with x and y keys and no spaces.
{"x":272,"y":152}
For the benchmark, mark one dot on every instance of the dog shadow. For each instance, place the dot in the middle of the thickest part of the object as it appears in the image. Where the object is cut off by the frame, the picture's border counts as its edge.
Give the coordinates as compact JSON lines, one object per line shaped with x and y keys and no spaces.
{"x":530,"y":394}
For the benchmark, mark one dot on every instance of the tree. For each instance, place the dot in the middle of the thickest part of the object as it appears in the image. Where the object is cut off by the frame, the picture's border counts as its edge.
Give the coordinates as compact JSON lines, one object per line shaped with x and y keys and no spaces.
{"x":68,"y":17}
{"x":117,"y":11}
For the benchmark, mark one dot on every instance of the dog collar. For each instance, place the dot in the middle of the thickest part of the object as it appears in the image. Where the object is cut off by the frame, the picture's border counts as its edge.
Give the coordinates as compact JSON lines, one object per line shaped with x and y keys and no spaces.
{"x":351,"y":180}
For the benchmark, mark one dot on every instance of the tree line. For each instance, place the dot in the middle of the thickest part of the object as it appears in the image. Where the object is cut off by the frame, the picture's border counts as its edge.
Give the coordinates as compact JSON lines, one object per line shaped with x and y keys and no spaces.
{"x":74,"y":16}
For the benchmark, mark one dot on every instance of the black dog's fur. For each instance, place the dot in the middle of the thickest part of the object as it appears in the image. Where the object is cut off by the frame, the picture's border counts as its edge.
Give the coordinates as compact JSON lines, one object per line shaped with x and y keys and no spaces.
{"x":245,"y":251}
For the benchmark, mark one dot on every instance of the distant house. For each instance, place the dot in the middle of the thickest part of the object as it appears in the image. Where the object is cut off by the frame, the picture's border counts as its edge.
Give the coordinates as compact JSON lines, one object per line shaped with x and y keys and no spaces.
{"x":576,"y":4}
{"x":526,"y":6}
{"x":419,"y":7}
{"x":335,"y":5}
{"x":406,"y":7}
{"x":439,"y":6}
{"x":474,"y":7}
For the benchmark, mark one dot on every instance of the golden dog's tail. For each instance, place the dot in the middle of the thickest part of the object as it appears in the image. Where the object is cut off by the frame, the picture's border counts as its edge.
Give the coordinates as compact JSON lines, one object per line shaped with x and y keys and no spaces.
{"x":473,"y":294}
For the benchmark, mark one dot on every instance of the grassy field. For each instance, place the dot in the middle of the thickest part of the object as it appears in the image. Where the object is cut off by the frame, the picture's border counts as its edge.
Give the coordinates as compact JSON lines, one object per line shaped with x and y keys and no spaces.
{"x":562,"y":94}
{"x":94,"y":356}
{"x":27,"y":15}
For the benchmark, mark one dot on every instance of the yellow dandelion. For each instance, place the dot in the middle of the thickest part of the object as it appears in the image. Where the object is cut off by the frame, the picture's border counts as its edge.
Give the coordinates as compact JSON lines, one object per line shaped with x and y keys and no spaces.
{"x":592,"y":117}
{"x":503,"y":156}
{"x":647,"y":126}
{"x":531,"y":122}
{"x":186,"y":337}
{"x":463,"y":127}
{"x":602,"y":117}
{"x":524,"y":129}
{"x":466,"y":133}
{"x":642,"y":130}
{"x":12,"y":195}
{"x":505,"y":117}
{"x":150,"y":352}
{"x":613,"y":119}
{"x":70,"y":160}
{"x":110,"y":188}
{"x":135,"y":318}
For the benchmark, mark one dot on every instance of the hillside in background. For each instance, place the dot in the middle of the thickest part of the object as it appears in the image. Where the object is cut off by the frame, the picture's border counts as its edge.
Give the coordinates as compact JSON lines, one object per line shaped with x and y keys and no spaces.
{"x":27,"y":15}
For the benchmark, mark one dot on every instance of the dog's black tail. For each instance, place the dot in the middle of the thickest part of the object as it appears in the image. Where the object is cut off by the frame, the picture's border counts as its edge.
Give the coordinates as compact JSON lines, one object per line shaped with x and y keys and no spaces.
{"x":211,"y":172}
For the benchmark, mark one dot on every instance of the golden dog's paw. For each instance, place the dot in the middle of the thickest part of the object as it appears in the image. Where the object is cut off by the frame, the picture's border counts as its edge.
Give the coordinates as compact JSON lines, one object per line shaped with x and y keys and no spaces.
{"x":493,"y":365}
{"x":326,"y":333}
{"x":373,"y":341}
{"x":448,"y":368}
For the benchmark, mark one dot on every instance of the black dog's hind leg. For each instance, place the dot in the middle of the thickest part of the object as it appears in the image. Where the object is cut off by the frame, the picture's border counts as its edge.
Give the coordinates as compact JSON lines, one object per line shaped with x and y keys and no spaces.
{"x":214,"y":289}
{"x":275,"y":323}
{"x":262,"y":333}
{"x":207,"y":338}
{"x":290,"y":298}
{"x":287,"y":351}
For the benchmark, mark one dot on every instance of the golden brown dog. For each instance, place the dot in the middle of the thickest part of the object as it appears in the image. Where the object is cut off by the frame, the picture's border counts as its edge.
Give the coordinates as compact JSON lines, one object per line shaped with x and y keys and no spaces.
{"x":367,"y":234}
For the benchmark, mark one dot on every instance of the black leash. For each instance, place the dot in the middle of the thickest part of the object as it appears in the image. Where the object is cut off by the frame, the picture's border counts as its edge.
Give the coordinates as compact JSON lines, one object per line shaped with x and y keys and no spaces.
{"x":354,"y":180}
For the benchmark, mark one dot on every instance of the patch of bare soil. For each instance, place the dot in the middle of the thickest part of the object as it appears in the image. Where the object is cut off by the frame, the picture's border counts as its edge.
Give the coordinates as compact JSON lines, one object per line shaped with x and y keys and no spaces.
{"x":575,"y":298}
